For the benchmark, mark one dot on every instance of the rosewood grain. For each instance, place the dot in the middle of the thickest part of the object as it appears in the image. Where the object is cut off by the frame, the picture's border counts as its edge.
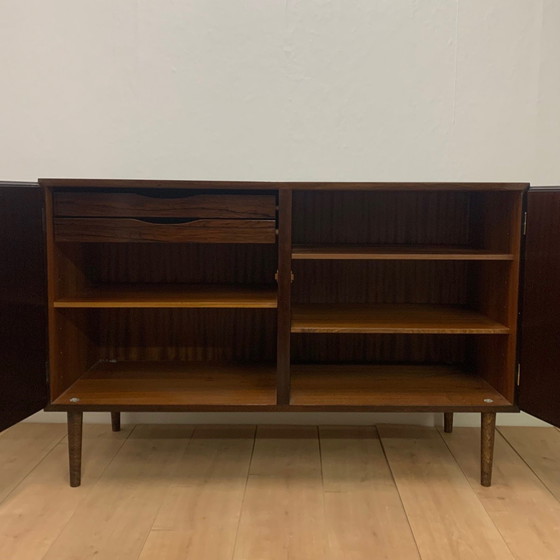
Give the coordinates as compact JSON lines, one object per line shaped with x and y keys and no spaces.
{"x":427,"y":387}
{"x":396,"y":252}
{"x":390,"y":318}
{"x":171,"y":295}
{"x":403,"y":296}
{"x":181,"y":205}
{"x":23,"y":299}
{"x":76,"y":184}
{"x":539,"y":379}
{"x":162,"y":383}
{"x":128,"y":230}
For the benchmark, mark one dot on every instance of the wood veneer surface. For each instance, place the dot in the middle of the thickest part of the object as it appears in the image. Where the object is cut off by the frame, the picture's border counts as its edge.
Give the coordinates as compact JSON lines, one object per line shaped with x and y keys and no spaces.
{"x":271,"y":185}
{"x":415,"y":217}
{"x":388,"y":318}
{"x":174,"y":383}
{"x":391,"y":385}
{"x":131,"y":230}
{"x":183,"y":205}
{"x":395,"y":252}
{"x":172,"y":295}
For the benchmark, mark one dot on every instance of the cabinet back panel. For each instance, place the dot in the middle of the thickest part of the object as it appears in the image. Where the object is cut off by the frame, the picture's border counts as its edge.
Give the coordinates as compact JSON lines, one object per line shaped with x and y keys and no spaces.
{"x":495,"y":220}
{"x":187,"y":263}
{"x":112,"y":263}
{"x":229,"y":335}
{"x":444,"y":282}
{"x":385,"y":348}
{"x":429,"y":218}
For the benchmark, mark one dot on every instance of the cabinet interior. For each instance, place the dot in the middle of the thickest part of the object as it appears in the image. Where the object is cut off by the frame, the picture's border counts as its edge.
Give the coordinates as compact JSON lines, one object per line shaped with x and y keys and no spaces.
{"x":399,"y":299}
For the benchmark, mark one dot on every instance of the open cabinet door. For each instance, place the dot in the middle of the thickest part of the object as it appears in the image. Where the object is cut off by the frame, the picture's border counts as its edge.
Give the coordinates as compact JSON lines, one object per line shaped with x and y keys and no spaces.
{"x":23,"y":303}
{"x":539,"y":384}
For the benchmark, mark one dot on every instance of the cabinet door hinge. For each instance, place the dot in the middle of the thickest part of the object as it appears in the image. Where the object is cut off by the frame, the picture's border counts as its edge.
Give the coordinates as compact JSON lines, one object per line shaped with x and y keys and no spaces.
{"x":518,"y":373}
{"x":48,"y":371}
{"x":524,"y":223}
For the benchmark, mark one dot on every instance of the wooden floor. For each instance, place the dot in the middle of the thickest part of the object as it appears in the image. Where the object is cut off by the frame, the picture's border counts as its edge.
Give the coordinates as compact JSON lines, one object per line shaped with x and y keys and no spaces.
{"x":165,"y":492}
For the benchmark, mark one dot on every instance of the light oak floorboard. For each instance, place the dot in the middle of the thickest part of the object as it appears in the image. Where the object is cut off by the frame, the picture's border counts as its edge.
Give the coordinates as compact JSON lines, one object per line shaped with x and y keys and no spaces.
{"x":116,"y":517}
{"x":200,"y":512}
{"x":524,"y":511}
{"x":447,"y":519}
{"x":22,"y":448}
{"x":364,"y":515}
{"x":35,"y":513}
{"x":283,"y":510}
{"x":190,"y":497}
{"x":540,"y":449}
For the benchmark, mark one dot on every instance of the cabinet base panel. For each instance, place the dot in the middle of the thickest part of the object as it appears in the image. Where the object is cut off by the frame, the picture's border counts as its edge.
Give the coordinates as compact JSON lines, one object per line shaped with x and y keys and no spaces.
{"x":204,"y":386}
{"x":172,"y":383}
{"x":430,"y":386}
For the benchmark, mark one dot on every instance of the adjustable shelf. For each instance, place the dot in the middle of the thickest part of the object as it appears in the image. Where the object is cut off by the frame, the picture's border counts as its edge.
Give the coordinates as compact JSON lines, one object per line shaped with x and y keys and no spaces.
{"x":173,"y":383}
{"x":396,"y":252}
{"x":420,"y":387}
{"x":171,"y":295}
{"x":391,"y":318}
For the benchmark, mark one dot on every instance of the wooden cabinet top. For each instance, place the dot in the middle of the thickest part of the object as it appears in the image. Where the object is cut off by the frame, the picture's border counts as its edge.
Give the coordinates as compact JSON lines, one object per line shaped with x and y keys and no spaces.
{"x":277,"y":185}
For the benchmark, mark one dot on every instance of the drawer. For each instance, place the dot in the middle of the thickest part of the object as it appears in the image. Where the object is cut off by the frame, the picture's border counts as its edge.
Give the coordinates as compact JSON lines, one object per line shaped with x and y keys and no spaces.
{"x":181,"y":205}
{"x":127,"y":230}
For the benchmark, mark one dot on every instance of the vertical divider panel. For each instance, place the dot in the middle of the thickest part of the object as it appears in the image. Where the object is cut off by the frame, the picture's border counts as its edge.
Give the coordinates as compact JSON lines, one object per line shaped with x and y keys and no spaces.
{"x":284,"y":279}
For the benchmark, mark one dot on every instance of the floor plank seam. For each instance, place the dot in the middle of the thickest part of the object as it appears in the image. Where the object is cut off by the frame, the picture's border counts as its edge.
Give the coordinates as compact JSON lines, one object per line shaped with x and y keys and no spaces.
{"x":321,"y":461}
{"x":158,"y":509}
{"x":488,"y":514}
{"x":244,"y":493}
{"x":46,"y":454}
{"x":528,"y":457}
{"x":64,"y":525}
{"x":398,"y":491}
{"x":543,"y":482}
{"x":326,"y":538}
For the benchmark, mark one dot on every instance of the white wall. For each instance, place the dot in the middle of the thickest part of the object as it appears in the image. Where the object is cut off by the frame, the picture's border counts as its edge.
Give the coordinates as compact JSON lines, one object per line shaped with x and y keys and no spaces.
{"x":369,"y":90}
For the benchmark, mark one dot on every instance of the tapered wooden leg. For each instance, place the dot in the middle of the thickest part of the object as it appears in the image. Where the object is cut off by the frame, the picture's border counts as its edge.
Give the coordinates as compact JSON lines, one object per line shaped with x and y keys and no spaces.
{"x":487,"y":432}
{"x":448,"y":422}
{"x":75,"y":446}
{"x":116,"y":421}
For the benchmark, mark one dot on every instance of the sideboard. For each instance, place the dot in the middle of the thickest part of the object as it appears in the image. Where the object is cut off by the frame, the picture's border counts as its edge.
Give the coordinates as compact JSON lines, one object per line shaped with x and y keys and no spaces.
{"x":144,"y":295}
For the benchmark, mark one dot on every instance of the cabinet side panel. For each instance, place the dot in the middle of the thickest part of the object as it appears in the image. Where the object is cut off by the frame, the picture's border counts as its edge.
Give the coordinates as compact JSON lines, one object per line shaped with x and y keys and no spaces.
{"x":497,"y":222}
{"x":23,"y":352}
{"x":539,"y":389}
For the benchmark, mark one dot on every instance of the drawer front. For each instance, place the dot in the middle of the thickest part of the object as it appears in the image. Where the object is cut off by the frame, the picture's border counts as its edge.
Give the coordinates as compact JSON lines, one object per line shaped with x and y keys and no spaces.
{"x":127,"y":230}
{"x":183,"y":205}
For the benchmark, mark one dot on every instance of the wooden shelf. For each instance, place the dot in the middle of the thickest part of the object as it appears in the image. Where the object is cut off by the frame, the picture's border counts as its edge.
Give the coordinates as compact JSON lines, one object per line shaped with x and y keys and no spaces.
{"x":391,"y":386}
{"x":390,"y":318}
{"x":154,"y":384}
{"x":172,"y":295}
{"x":395,"y":252}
